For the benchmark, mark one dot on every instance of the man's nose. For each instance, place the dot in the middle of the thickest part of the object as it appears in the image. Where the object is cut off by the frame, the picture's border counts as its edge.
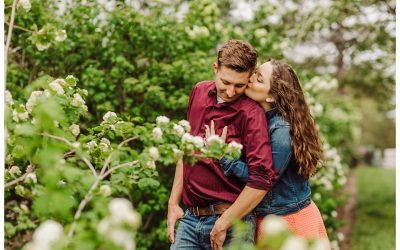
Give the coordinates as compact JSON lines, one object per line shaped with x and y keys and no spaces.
{"x":230,"y":91}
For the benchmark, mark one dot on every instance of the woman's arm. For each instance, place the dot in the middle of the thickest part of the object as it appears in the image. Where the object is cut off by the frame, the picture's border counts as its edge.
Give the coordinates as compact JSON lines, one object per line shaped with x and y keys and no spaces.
{"x":281,"y":153}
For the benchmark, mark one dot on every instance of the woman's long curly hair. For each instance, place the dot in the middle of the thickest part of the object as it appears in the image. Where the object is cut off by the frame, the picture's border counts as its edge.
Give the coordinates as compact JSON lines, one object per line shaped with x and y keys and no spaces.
{"x":291,"y":104}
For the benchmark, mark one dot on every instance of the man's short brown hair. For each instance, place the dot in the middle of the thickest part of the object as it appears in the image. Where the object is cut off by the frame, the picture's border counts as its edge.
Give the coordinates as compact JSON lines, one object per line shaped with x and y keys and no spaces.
{"x":237,"y":55}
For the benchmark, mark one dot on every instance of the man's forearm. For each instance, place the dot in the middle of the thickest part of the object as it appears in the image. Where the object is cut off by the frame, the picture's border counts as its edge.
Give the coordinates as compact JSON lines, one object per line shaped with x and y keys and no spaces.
{"x":248,"y":199}
{"x":177,"y":187}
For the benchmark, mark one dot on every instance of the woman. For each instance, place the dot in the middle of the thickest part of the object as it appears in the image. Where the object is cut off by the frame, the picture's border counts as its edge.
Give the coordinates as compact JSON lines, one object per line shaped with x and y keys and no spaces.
{"x":296,"y":150}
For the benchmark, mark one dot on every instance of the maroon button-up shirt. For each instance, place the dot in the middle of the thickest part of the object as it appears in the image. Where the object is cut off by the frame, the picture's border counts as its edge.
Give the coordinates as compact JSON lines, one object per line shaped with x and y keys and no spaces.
{"x":205,"y":182}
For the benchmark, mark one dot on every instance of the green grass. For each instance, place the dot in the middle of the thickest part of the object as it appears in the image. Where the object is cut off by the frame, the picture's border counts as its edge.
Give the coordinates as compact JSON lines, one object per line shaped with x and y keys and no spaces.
{"x":375,"y":226}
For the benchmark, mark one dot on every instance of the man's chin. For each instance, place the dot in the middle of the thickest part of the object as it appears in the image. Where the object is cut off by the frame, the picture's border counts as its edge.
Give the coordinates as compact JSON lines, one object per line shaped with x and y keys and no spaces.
{"x":226,"y":99}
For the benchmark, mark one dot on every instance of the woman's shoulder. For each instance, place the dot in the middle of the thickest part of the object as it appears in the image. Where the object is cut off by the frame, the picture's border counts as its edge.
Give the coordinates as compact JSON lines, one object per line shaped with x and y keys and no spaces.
{"x":276,"y":121}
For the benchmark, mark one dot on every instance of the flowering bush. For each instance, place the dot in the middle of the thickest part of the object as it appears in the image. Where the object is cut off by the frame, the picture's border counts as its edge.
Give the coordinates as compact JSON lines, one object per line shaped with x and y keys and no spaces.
{"x":68,"y":155}
{"x":56,"y":169}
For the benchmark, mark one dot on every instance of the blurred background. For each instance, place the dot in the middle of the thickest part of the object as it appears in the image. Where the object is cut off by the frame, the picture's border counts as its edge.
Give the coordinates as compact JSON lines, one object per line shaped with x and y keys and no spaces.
{"x":140,"y":59}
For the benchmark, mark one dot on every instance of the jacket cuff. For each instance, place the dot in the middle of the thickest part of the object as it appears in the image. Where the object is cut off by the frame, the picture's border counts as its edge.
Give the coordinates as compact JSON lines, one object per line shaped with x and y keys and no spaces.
{"x":225,"y":162}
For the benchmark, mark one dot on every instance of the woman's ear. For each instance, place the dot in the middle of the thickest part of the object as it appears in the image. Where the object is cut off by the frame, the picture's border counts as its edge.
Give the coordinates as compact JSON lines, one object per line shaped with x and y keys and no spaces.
{"x":270,"y":99}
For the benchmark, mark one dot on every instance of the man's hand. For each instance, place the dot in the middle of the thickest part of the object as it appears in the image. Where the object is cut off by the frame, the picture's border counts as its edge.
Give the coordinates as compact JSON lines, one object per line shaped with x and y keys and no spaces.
{"x":218,"y":234}
{"x":210,"y":130}
{"x":175,"y":212}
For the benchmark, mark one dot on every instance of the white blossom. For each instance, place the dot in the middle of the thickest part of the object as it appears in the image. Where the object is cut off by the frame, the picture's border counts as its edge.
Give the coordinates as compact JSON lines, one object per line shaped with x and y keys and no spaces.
{"x":214,"y":139}
{"x":71,"y":77}
{"x":238,"y":30}
{"x":26,"y":4}
{"x":334,"y":214}
{"x":342,"y":180}
{"x":197,"y":31}
{"x":104,"y":225}
{"x":335,"y":245}
{"x":178,"y":153}
{"x":154,"y":154}
{"x":273,"y":225}
{"x":122,"y":238}
{"x":8,"y":98}
{"x":33,"y":100}
{"x":47,"y":234}
{"x":78,"y":101}
{"x":104,"y":147}
{"x":41,"y":46}
{"x":24,"y":208}
{"x":162,"y":120}
{"x":198,"y":141}
{"x":75,"y":130}
{"x":259,"y":33}
{"x":110,"y":117}
{"x":157,"y":133}
{"x":47,"y":93}
{"x":340,"y":236}
{"x":295,"y":242}
{"x":320,"y":244}
{"x":218,"y":26}
{"x":151,"y":164}
{"x":187,"y":137}
{"x":62,"y":183}
{"x":233,"y":146}
{"x":76,"y":144}
{"x":61,"y":35}
{"x":91,"y":145}
{"x":122,"y":212}
{"x":56,"y":87}
{"x":15,"y":171}
{"x":105,"y":190}
{"x":17,"y":116}
{"x":185,"y":124}
{"x":317,"y":196}
{"x":106,"y":141}
{"x":179,"y":129}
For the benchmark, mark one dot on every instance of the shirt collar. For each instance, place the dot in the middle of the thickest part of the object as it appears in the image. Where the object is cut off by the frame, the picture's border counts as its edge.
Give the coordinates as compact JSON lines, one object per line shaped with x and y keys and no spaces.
{"x":271,"y":112}
{"x":212,"y":93}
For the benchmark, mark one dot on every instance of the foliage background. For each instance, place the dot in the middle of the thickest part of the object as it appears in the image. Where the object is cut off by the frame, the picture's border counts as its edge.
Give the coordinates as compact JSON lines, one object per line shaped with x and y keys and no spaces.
{"x":140,"y":59}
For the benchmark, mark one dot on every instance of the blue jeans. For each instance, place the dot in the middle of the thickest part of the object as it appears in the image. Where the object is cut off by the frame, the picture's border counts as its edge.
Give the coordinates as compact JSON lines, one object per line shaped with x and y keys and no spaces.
{"x":194,"y":232}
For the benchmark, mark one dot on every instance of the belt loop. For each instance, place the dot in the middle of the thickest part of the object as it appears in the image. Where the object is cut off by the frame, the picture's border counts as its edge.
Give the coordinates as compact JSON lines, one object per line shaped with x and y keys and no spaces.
{"x":212,"y":209}
{"x":198,"y":213}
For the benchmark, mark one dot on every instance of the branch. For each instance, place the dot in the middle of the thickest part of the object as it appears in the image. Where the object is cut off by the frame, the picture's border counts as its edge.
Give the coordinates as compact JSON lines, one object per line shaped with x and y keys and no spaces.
{"x":82,"y":205}
{"x":19,"y":179}
{"x":57,"y":138}
{"x":9,"y":34}
{"x":112,"y":154}
{"x":20,"y":28}
{"x":119,"y":166}
{"x":88,"y":196}
{"x":88,"y":163}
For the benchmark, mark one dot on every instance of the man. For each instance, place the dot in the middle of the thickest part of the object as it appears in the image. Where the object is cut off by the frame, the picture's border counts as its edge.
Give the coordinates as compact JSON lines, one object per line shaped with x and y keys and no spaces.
{"x":214,"y":200}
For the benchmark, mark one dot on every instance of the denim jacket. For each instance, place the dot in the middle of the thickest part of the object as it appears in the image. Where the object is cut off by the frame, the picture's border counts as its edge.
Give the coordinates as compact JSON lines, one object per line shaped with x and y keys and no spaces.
{"x":291,"y":192}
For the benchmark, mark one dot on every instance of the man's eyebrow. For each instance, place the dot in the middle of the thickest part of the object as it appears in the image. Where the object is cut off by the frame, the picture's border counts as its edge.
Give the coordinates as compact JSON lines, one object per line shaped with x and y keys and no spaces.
{"x":225,"y":81}
{"x":228,"y":82}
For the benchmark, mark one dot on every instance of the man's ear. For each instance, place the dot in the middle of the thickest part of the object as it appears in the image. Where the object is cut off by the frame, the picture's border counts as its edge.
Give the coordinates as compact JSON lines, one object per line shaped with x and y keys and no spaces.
{"x":215,"y":66}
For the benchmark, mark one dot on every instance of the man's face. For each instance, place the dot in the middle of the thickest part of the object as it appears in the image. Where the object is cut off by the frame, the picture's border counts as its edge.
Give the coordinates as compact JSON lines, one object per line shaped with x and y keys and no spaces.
{"x":230,"y":84}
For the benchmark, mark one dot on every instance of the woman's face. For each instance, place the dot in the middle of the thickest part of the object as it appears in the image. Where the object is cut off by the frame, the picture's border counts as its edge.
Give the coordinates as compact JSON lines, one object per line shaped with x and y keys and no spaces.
{"x":259,"y":85}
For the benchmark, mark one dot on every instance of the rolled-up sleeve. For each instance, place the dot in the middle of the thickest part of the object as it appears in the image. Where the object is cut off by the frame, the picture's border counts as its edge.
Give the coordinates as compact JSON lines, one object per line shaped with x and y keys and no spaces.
{"x":258,"y":151}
